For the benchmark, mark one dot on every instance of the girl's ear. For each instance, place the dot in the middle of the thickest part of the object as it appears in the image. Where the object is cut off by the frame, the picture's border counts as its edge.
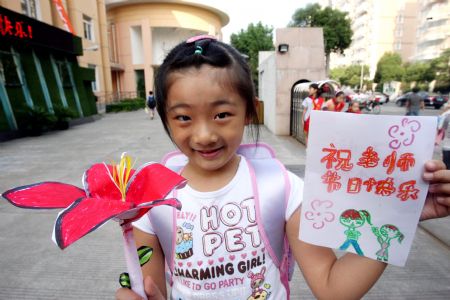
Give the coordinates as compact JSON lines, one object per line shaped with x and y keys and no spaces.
{"x":248,"y":119}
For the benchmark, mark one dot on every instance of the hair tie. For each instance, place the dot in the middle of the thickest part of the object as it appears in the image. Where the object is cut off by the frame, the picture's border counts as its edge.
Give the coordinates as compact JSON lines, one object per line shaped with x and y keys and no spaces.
{"x":198,"y":50}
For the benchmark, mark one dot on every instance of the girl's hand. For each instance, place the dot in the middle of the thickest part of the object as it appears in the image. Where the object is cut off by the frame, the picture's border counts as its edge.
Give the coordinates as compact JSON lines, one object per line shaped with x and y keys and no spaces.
{"x":151,"y":289}
{"x":437,"y":203}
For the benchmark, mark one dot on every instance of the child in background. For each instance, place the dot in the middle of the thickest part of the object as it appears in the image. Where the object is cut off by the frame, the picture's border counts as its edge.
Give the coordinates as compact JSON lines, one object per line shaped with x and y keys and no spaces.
{"x":337,"y":103}
{"x":312,"y":102}
{"x":354,"y":108}
{"x":150,"y":104}
{"x":205,"y":99}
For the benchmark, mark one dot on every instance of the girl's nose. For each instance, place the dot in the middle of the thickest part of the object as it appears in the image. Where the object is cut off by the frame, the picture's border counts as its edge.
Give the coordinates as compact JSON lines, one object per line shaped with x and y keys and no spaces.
{"x":204,"y":135}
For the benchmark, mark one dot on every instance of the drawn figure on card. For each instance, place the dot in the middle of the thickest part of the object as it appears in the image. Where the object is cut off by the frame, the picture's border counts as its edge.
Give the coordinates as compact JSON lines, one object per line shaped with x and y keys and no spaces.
{"x":385,"y":234}
{"x":353,"y":219}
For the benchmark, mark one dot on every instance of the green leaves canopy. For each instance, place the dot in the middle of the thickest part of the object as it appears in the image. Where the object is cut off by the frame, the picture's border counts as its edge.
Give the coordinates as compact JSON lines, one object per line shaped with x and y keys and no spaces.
{"x":257,"y":37}
{"x":336,"y":25}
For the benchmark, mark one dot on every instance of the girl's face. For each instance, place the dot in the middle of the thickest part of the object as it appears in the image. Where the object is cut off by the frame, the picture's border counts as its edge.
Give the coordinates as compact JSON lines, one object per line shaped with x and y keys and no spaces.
{"x":340,"y":98}
{"x":206,"y":118}
{"x":354,"y":223}
{"x":388,"y":232}
{"x":355,"y":106}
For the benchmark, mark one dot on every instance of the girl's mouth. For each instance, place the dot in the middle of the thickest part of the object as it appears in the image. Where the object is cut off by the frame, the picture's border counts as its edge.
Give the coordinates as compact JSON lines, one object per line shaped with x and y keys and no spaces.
{"x":210,"y":154}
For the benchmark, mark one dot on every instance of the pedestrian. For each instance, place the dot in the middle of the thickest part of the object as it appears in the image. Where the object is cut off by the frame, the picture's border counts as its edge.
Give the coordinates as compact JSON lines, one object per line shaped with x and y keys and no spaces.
{"x":354,"y":107}
{"x":205,"y":99}
{"x":443,"y":134}
{"x":312,"y":102}
{"x":151,"y":104}
{"x":414,"y":103}
{"x":337,"y":103}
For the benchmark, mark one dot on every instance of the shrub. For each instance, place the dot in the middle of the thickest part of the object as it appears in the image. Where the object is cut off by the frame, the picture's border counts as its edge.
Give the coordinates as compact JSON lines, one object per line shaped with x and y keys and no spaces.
{"x":62,"y":117}
{"x":34,"y":121}
{"x":126,"y":105}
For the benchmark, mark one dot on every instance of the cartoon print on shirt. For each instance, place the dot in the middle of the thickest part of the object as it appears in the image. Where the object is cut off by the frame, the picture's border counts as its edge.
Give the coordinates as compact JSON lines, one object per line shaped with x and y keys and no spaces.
{"x":184,"y":241}
{"x":257,"y":283}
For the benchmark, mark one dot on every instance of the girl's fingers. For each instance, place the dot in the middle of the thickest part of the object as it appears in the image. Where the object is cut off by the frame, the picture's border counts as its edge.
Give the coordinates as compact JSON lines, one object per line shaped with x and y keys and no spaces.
{"x":434,"y":165}
{"x":440,"y":189}
{"x":445,"y":201}
{"x":440,"y":175}
{"x":127,"y":294}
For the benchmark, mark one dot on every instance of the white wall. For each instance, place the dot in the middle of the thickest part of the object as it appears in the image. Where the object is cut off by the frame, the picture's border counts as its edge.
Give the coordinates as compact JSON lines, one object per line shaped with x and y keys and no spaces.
{"x":165,"y":38}
{"x":267,"y":86}
{"x":137,"y":47}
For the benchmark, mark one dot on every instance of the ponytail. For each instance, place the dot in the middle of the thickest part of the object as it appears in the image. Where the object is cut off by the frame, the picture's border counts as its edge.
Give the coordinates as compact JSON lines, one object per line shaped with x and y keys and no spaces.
{"x":366,"y":216}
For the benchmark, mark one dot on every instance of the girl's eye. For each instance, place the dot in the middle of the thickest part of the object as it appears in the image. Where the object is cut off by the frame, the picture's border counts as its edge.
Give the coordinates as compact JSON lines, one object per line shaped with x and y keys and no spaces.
{"x":222,"y":115}
{"x":182,"y":118}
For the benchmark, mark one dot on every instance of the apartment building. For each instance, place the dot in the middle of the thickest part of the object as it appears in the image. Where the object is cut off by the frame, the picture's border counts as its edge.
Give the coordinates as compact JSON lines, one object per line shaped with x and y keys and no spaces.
{"x":379,"y":26}
{"x":433,"y":33}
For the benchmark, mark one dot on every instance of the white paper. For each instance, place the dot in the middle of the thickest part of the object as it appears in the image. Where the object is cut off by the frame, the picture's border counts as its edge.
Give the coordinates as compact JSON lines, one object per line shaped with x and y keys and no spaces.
{"x":352,"y":201}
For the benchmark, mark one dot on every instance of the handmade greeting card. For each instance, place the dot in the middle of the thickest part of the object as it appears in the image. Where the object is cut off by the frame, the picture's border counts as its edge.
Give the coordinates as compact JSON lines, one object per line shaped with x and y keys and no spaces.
{"x":364,"y":191}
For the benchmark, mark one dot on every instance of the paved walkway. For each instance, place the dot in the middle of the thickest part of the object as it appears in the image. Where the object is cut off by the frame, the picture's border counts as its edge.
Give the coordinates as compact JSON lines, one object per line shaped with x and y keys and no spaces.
{"x":32,"y":267}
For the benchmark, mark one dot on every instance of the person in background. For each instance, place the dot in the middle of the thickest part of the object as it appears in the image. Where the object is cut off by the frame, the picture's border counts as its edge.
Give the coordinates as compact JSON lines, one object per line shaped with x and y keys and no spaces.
{"x":414,"y":103}
{"x":310,"y":103}
{"x":354,"y":107}
{"x":443,"y":135}
{"x":337,"y":103}
{"x":151,"y":104}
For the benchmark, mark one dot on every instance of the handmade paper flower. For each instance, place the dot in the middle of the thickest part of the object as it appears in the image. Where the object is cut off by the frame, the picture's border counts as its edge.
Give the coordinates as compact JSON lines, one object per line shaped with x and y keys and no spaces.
{"x":319,"y":213}
{"x":404,"y":133}
{"x":110,"y":191}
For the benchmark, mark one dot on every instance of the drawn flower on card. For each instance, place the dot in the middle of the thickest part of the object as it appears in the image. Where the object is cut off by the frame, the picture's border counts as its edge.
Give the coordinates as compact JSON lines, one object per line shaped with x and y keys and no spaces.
{"x":319,"y":213}
{"x":404,"y":133}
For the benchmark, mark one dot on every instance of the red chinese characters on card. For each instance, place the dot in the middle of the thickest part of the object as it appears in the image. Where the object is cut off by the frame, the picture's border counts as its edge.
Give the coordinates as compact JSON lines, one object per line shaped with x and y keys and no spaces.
{"x":340,"y":160}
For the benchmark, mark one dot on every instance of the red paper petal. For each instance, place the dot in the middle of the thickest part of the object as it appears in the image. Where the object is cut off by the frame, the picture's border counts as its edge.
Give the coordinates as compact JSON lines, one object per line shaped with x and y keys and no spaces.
{"x":98,"y":183}
{"x":143,"y":208}
{"x":44,"y":195}
{"x":85,"y":215}
{"x":152,"y":182}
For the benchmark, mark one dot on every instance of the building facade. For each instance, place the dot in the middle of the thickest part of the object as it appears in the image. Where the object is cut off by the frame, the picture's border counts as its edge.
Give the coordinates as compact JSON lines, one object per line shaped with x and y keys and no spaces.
{"x":142,"y":32}
{"x":433,"y":33}
{"x":39,"y":65}
{"x":379,"y":26}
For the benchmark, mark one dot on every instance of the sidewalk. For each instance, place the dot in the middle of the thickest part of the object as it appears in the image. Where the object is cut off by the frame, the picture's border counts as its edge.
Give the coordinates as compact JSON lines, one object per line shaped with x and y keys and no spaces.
{"x":32,"y":267}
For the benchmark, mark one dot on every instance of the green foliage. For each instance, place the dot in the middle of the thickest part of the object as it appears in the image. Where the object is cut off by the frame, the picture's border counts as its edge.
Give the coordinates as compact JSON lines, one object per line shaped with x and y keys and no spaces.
{"x":418,"y":72}
{"x":34,"y":121}
{"x":441,"y":65}
{"x":337,"y":31}
{"x":389,"y":68}
{"x":126,"y":105}
{"x":349,"y":75}
{"x":257,"y":37}
{"x":62,"y":117}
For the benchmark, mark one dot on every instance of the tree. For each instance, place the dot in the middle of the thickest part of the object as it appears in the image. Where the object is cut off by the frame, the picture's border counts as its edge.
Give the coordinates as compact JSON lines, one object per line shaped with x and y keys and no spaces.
{"x":337,"y":31}
{"x":441,"y":65}
{"x":349,"y":75}
{"x":256,"y":38}
{"x":389,"y":68}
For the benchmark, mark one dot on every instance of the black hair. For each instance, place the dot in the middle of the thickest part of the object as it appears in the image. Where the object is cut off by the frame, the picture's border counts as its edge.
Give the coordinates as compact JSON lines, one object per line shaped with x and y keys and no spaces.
{"x":213,"y":53}
{"x":415,"y":89}
{"x":339,"y":93}
{"x":314,"y":86}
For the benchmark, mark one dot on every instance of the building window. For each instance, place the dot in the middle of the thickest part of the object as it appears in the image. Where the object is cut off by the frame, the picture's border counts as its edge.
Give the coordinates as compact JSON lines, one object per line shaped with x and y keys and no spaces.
{"x":94,"y":83}
{"x":400,"y":19}
{"x":88,"y":28}
{"x":8,"y":70}
{"x":29,"y":8}
{"x":64,"y":74}
{"x":399,"y":32}
{"x":398,"y":46}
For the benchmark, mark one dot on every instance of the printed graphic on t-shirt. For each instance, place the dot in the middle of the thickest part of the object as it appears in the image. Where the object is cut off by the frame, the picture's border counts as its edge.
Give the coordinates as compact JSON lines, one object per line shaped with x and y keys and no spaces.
{"x":232,"y":254}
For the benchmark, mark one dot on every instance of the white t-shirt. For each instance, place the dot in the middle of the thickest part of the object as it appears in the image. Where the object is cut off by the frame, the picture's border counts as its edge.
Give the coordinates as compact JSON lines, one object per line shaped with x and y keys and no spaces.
{"x":219,"y":253}
{"x":307,"y":104}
